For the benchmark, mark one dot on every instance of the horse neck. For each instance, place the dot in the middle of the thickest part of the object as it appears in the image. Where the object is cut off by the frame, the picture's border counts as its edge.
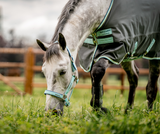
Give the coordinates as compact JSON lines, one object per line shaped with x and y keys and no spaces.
{"x":86,"y":18}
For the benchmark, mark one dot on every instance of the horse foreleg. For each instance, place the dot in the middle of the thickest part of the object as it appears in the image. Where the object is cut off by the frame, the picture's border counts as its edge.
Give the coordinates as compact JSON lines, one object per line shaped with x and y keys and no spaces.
{"x":97,"y":73}
{"x":132,"y":75}
{"x":151,"y":89}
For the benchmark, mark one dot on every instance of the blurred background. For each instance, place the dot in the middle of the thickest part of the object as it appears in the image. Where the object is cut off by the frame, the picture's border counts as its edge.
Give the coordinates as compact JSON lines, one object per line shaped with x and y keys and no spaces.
{"x":22,"y":21}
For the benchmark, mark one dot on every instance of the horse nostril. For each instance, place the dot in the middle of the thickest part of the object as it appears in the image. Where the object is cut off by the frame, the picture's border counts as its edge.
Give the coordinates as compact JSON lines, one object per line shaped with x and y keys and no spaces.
{"x":54,"y":112}
{"x":57,"y":112}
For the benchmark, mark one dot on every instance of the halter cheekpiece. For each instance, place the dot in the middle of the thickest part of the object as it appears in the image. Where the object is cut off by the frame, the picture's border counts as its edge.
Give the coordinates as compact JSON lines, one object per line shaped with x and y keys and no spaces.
{"x":69,"y":88}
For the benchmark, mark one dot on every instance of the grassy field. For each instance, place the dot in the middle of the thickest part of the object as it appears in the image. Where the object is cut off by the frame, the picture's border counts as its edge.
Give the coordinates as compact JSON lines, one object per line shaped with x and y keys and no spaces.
{"x":26,"y":115}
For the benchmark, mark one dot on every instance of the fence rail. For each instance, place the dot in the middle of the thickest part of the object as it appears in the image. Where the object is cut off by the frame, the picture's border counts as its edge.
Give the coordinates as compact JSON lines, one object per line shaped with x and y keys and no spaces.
{"x":30,"y":68}
{"x":13,"y":50}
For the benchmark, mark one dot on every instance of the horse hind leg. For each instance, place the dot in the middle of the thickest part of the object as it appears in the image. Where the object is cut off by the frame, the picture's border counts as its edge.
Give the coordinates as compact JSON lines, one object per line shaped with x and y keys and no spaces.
{"x":97,"y":73}
{"x":132,"y":75}
{"x":151,"y":88}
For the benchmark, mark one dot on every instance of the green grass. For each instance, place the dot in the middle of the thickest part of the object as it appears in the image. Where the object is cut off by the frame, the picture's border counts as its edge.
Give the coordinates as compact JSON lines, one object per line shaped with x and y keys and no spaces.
{"x":26,"y":115}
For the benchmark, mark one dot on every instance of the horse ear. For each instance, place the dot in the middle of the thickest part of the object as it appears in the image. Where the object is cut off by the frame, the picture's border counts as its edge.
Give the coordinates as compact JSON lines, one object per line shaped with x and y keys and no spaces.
{"x":44,"y":46}
{"x":62,"y":41}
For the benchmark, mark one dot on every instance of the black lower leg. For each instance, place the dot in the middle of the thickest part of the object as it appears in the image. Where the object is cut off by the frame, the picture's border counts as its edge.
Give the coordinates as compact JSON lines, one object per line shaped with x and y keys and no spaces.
{"x":96,"y":101}
{"x":132,"y":75}
{"x":151,"y":95}
{"x":151,"y":89}
{"x":97,"y":73}
{"x":97,"y":93}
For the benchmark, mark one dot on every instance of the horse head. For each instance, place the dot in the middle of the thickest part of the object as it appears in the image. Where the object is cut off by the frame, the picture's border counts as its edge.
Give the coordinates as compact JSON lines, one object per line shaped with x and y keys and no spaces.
{"x":60,"y":73}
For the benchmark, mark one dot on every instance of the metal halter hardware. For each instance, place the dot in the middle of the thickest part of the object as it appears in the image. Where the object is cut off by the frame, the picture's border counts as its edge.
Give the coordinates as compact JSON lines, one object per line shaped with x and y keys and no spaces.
{"x":69,"y":88}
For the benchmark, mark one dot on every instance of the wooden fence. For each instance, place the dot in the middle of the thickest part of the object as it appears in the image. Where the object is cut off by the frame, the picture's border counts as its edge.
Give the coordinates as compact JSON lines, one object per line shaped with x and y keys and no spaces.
{"x":30,"y":68}
{"x":28,"y":64}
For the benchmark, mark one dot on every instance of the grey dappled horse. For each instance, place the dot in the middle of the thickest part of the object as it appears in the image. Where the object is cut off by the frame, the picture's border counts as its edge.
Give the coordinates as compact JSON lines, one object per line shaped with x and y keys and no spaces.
{"x":119,"y":42}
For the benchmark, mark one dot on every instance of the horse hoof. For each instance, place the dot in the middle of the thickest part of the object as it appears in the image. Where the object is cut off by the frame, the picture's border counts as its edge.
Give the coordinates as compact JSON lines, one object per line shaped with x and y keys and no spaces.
{"x":101,"y":110}
{"x":127,"y":110}
{"x":105,"y":110}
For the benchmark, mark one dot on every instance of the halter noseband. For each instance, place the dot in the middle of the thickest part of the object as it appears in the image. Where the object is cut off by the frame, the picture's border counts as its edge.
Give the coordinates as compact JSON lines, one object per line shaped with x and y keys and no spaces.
{"x":69,"y":88}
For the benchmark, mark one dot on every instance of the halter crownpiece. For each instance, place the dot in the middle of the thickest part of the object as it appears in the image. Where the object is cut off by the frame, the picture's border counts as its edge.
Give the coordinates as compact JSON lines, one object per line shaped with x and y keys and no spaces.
{"x":69,"y":88}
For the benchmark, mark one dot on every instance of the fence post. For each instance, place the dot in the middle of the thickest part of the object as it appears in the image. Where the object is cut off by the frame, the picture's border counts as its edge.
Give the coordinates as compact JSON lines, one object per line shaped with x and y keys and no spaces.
{"x":29,"y":63}
{"x":122,"y":83}
{"x":104,"y":79}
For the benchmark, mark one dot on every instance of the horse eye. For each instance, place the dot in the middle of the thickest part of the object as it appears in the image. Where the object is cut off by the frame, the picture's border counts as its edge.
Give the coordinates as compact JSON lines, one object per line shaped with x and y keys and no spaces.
{"x":62,"y":72}
{"x":54,"y":81}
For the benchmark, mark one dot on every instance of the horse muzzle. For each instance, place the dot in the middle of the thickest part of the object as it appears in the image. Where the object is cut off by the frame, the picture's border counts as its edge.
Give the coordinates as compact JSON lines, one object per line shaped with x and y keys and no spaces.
{"x":57,"y":112}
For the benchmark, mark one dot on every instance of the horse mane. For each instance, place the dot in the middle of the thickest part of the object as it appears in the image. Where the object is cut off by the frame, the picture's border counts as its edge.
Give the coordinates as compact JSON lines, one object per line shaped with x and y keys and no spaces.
{"x":65,"y":15}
